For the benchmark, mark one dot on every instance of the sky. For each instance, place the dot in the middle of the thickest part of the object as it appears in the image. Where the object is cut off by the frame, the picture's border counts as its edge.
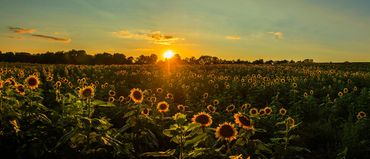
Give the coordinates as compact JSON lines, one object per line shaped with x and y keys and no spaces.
{"x":323,"y":30}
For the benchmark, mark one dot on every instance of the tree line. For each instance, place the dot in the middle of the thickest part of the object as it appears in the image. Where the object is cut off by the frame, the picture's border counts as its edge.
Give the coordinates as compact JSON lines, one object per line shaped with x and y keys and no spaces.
{"x":81,"y":57}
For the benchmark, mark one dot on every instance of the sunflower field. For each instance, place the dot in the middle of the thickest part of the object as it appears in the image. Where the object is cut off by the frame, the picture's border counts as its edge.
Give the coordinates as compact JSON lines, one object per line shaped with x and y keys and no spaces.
{"x":194,"y":111}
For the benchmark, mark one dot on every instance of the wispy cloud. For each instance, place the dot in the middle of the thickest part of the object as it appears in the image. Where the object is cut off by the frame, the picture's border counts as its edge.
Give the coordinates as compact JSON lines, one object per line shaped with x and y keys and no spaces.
{"x":19,"y":30}
{"x":30,"y":32}
{"x":233,"y":37}
{"x":277,"y":35}
{"x":144,"y":49}
{"x":154,"y":36}
{"x":66,"y":40}
{"x":15,"y":37}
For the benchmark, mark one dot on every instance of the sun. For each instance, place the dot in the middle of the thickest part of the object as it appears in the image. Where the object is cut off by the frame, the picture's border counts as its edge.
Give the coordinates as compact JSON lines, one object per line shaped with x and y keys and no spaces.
{"x":168,"y":54}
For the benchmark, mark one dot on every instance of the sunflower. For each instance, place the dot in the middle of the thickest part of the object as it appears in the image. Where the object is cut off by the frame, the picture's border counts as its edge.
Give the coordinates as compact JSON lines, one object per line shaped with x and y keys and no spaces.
{"x":121,"y":99}
{"x":211,"y":108}
{"x":163,"y":107}
{"x":136,"y":95}
{"x":305,"y":94}
{"x":246,"y":106}
{"x":268,"y":110}
{"x":202,"y":118}
{"x":226,"y":131}
{"x":294,"y":85}
{"x":20,"y":89}
{"x":243,"y":107}
{"x":290,"y":122}
{"x":86,"y":92}
{"x":345,"y":90}
{"x":361,"y":115}
{"x":227,"y":86}
{"x":282,"y":111}
{"x":111,"y":99}
{"x":169,"y":96}
{"x":230,"y":108}
{"x":243,"y":121}
{"x":355,"y":88}
{"x":181,"y":107}
{"x":340,"y":94}
{"x":311,"y":92}
{"x":58,"y":83}
{"x":215,"y":102}
{"x":11,"y":81}
{"x":236,"y":157}
{"x":112,"y":93}
{"x":145,"y":111}
{"x":70,"y":85}
{"x":153,"y":99}
{"x":262,"y":112}
{"x":49,"y":78}
{"x":253,"y":112}
{"x":215,"y":86}
{"x":205,"y":95}
{"x":159,"y":90}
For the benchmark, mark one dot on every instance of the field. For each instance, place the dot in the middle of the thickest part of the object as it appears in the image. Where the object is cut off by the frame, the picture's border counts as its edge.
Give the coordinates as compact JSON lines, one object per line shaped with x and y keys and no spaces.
{"x":191,"y":111}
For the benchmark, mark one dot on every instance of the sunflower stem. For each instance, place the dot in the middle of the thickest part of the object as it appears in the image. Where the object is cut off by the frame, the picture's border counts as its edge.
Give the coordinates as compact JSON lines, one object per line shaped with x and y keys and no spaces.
{"x":228,"y":151}
{"x":286,"y":137}
{"x":181,"y":143}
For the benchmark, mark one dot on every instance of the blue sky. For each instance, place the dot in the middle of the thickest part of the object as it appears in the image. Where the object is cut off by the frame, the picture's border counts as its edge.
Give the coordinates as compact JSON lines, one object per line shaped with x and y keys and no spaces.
{"x":330,"y":30}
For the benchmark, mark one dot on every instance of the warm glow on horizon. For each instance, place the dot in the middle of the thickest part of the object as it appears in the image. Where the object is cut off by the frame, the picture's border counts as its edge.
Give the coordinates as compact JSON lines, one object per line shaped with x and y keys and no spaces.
{"x":168,"y":54}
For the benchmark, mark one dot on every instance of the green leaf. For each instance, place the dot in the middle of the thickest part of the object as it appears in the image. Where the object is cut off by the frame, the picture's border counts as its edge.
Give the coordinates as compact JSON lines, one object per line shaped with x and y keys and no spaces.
{"x":102,"y":103}
{"x":44,"y":118}
{"x":196,"y":140}
{"x":176,"y":139}
{"x":298,"y":149}
{"x":191,"y":127}
{"x":66,"y":137}
{"x":167,"y":132}
{"x":343,"y":154}
{"x":276,"y":140}
{"x":198,"y":152}
{"x":168,"y":153}
{"x":262,"y":147}
{"x":293,"y":137}
{"x":128,"y":114}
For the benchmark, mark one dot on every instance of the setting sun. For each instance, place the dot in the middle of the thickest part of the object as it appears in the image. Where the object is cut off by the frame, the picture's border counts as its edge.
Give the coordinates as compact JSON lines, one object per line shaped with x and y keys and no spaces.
{"x":168,"y":54}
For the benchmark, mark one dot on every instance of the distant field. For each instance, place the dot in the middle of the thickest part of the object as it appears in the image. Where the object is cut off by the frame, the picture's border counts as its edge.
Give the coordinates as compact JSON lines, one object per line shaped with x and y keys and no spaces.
{"x":185,"y":111}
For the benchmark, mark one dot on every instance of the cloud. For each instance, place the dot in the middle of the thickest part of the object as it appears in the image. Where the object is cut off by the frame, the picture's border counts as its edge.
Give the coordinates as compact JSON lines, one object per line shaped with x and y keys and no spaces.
{"x":15,"y":37}
{"x":144,"y":49}
{"x":19,"y":30}
{"x":154,"y":36}
{"x":66,"y":40}
{"x":277,"y":35}
{"x":231,"y":37}
{"x":30,"y":32}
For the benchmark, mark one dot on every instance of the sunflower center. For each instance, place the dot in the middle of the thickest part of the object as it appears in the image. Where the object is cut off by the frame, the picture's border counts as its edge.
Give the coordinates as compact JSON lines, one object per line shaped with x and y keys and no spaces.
{"x":226,"y":131}
{"x":163,"y":106}
{"x":32,"y":81}
{"x":230,"y":108}
{"x":202,"y":119}
{"x":86,"y":92}
{"x":245,"y":121}
{"x":137,"y":95}
{"x":20,"y":88}
{"x":282,"y":111}
{"x":146,"y":111}
{"x":211,"y":108}
{"x":268,"y":111}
